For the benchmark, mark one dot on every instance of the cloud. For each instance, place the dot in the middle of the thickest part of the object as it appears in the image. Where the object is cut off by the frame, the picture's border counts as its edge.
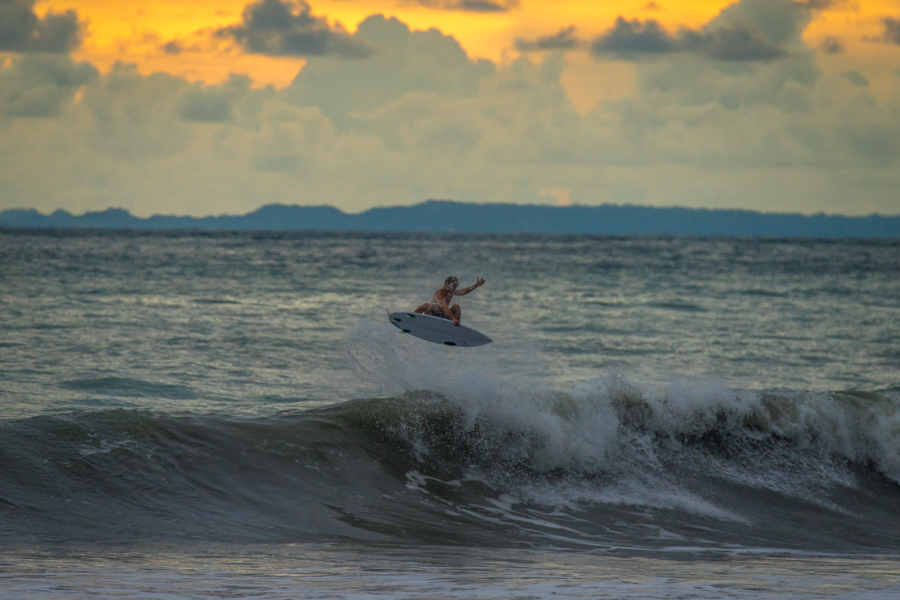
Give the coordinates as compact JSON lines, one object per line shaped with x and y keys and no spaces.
{"x":421,"y":119}
{"x":818,"y":4}
{"x":833,"y":45}
{"x":738,"y":85}
{"x":173,"y":47}
{"x":635,"y":39}
{"x":632,"y":38}
{"x":39,"y":85}
{"x":288,"y":28}
{"x":213,"y":104}
{"x":778,"y":21}
{"x":891,"y":33}
{"x":22,"y":31}
{"x":565,"y":39}
{"x":404,"y":61}
{"x":478,"y":6}
{"x":740,"y":42}
{"x":746,"y":31}
{"x":135,"y":117}
{"x":856,"y":78}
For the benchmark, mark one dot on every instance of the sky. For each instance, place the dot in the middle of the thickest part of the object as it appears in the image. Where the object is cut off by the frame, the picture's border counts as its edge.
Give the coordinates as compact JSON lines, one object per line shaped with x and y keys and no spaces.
{"x":202,"y":107}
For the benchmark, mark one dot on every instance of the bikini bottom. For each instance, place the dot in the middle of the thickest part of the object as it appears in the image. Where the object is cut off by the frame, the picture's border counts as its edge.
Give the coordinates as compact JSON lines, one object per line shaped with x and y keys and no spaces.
{"x":437,"y":311}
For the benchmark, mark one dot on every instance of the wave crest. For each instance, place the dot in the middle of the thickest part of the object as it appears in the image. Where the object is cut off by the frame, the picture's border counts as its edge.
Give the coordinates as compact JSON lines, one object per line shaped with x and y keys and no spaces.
{"x":602,"y":464}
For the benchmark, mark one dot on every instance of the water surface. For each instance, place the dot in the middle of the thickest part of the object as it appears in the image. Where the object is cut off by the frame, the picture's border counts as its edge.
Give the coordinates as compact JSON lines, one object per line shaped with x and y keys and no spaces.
{"x":187,"y":413}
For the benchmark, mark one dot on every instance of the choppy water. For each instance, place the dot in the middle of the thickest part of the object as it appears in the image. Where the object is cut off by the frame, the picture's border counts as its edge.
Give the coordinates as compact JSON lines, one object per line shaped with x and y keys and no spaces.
{"x":182,"y":414}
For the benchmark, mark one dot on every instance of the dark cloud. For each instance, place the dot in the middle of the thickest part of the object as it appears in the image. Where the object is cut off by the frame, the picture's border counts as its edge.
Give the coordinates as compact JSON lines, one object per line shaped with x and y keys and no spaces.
{"x":22,"y":31}
{"x":634,"y":39}
{"x":816,"y":4}
{"x":173,"y":47}
{"x":289,"y":28}
{"x":833,"y":45}
{"x":38,"y":85}
{"x":741,"y":42}
{"x":856,"y":78}
{"x":482,"y":6}
{"x":891,"y":33}
{"x":565,"y":39}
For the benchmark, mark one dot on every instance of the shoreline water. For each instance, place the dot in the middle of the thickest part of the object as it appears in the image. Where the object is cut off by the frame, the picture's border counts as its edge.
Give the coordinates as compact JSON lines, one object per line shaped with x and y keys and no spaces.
{"x":335,"y":571}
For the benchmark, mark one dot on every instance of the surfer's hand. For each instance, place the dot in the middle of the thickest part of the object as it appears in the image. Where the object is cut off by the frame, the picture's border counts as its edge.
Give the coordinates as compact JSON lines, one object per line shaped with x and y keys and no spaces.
{"x":479,"y":282}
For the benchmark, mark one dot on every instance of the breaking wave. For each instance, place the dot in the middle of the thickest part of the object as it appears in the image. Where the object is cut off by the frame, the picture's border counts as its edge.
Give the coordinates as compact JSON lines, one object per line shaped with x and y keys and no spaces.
{"x":605,"y":465}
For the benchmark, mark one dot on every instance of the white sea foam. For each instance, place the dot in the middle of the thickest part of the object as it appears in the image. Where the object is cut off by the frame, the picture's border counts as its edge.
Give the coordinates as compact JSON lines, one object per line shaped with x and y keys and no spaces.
{"x":795,"y":443}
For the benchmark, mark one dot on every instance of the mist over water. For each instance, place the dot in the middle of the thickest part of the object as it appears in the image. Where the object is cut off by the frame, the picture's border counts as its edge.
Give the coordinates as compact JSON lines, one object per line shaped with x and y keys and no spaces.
{"x":669,"y":398}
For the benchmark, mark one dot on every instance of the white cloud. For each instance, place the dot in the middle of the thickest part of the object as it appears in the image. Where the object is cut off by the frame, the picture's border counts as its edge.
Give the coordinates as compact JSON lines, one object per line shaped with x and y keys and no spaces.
{"x":402,"y":61}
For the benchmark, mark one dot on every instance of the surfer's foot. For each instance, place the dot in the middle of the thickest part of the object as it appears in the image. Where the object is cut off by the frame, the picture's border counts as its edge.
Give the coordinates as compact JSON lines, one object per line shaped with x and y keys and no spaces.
{"x":455,"y":314}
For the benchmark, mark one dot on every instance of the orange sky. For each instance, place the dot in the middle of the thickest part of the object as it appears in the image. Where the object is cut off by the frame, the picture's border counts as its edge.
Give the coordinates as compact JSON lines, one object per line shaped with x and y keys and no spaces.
{"x":816,"y":131}
{"x":133,"y":31}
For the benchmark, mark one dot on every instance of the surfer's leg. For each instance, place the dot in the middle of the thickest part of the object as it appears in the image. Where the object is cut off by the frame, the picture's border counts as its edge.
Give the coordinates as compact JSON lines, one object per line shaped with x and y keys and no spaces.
{"x":456,"y":312}
{"x":424,"y":309}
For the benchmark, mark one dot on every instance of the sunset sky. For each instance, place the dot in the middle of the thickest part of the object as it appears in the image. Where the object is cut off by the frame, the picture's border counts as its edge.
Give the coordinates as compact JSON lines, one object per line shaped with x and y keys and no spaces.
{"x":210,"y":107}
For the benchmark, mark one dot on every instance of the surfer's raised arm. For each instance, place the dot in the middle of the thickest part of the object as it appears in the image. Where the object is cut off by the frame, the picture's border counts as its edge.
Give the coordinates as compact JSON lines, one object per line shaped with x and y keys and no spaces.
{"x":478,"y":283}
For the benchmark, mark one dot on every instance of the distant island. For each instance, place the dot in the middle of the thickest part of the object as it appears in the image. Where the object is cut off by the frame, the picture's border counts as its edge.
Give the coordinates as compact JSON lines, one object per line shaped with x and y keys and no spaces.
{"x":461,"y":217}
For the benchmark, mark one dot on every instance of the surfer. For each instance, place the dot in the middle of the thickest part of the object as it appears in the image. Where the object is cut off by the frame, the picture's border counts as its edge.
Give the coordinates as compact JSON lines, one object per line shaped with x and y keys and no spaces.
{"x":440,"y":302}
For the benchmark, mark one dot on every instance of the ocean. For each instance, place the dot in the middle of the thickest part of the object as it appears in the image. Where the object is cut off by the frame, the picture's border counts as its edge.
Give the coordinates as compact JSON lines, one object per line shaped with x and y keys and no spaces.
{"x":219,"y":414}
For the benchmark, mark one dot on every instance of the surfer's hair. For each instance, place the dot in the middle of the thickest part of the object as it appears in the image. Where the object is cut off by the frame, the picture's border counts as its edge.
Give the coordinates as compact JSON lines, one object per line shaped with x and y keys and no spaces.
{"x":452,"y":280}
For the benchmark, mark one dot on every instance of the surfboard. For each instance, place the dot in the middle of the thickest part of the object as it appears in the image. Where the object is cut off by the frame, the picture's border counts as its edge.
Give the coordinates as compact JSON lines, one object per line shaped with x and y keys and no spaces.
{"x":438,"y":330}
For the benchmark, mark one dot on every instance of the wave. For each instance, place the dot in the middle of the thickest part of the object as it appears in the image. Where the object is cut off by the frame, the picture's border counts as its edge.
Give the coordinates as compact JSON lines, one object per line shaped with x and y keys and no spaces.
{"x":605,"y":465}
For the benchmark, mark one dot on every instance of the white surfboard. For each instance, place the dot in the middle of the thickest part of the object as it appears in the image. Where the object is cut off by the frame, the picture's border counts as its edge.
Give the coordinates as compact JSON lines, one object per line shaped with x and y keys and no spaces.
{"x":438,"y":330}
